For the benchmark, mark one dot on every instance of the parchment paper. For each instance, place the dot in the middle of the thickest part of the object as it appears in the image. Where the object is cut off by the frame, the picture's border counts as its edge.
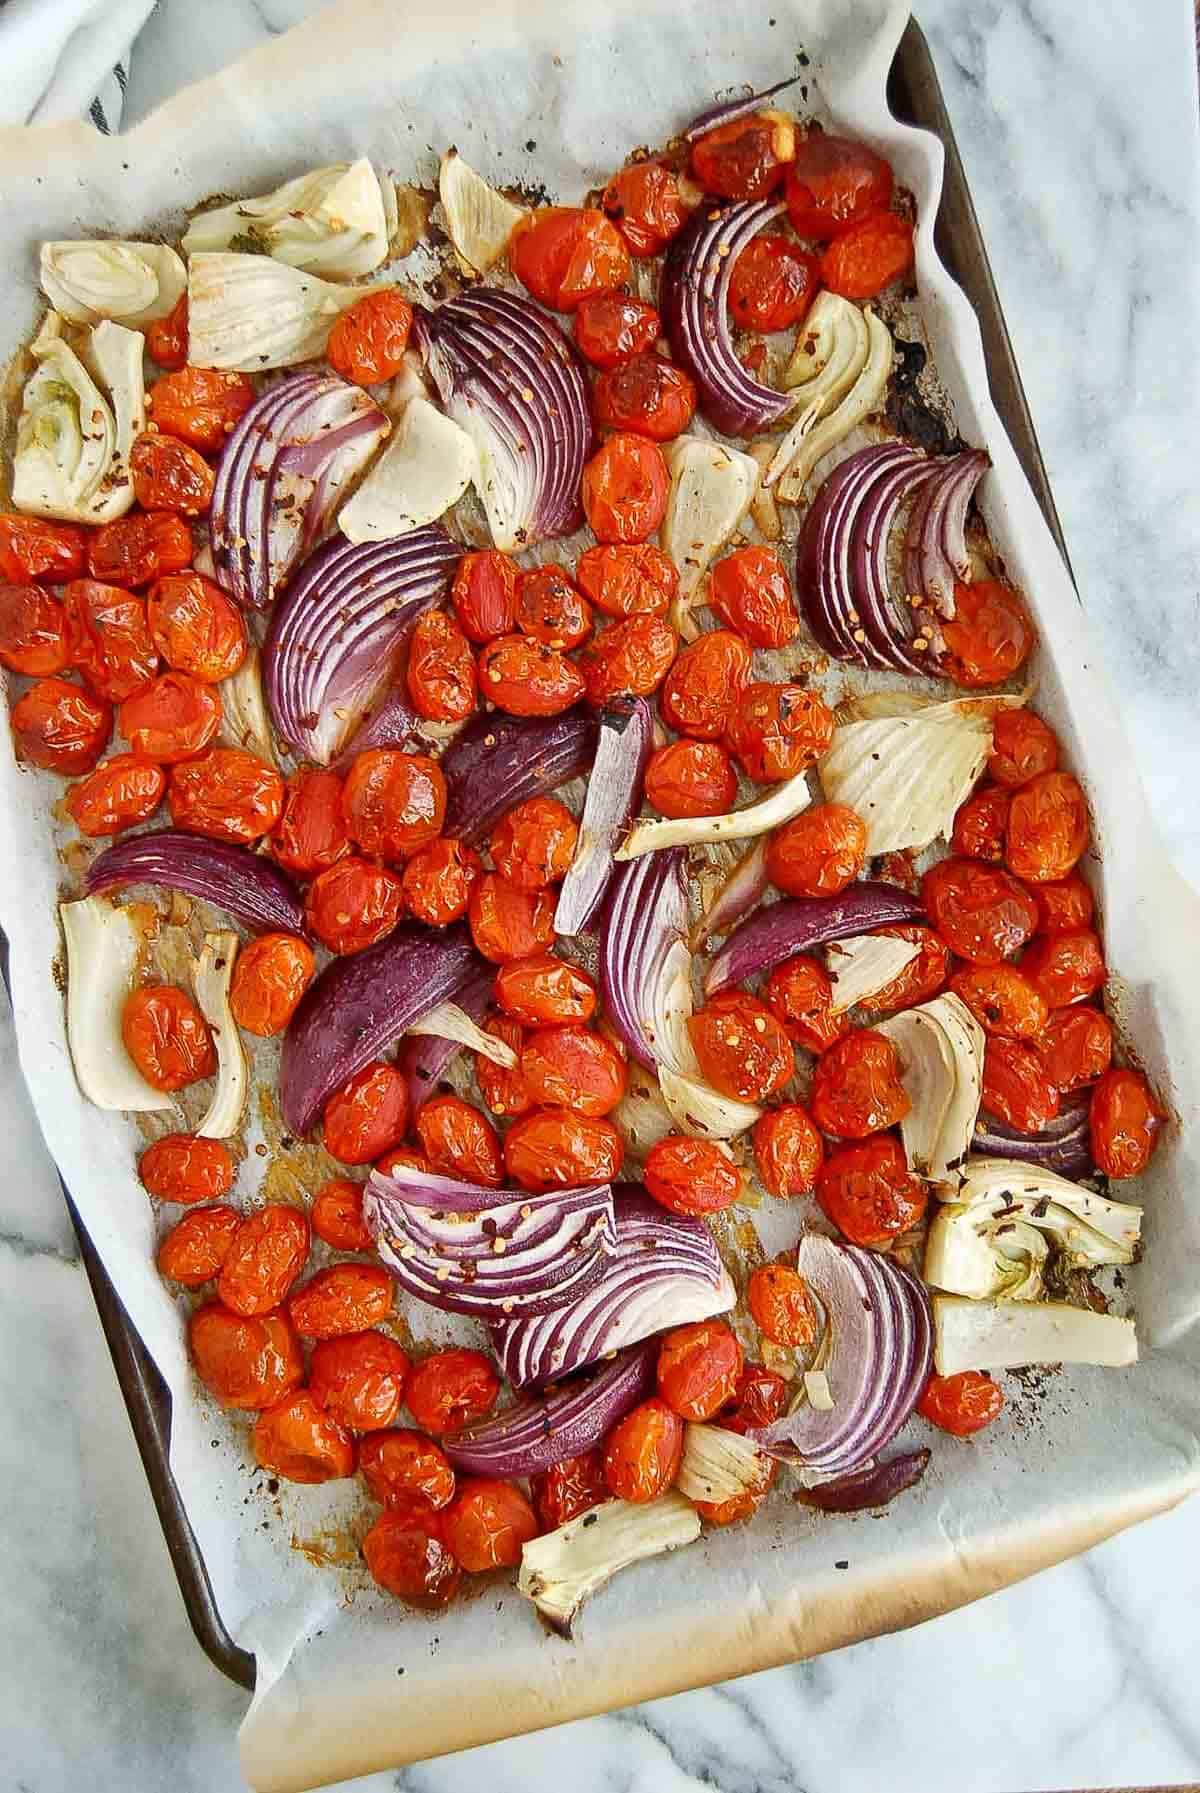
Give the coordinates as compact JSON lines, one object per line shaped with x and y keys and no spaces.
{"x":557,"y":92}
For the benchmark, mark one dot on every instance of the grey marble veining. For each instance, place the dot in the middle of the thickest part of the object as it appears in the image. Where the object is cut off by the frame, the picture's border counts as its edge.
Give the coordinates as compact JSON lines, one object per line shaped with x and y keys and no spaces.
{"x":1077,"y":122}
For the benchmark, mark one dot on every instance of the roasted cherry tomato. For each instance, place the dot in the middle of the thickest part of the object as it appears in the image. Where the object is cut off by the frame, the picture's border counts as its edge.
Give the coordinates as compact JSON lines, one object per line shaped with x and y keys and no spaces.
{"x":691,"y":778}
{"x":269,"y":978}
{"x":267,"y":1255}
{"x":139,"y":548}
{"x":441,"y":669}
{"x":646,"y":394}
{"x":198,"y":1244}
{"x":352,"y":905}
{"x":551,"y":1148}
{"x":182,"y":1167}
{"x":508,"y":923}
{"x":484,"y":595}
{"x":406,"y":1555}
{"x":460,"y":1142}
{"x":627,"y":580}
{"x":760,"y":1397}
{"x":610,"y":327}
{"x":700,"y":691}
{"x":167,"y":338}
{"x":359,"y":1380}
{"x":394,"y":802}
{"x":746,"y":158}
{"x":343,"y":1298}
{"x":868,"y":256}
{"x":120,"y":793}
{"x":991,"y":636}
{"x":167,"y":1037}
{"x":1047,"y":828}
{"x":691,"y":1176}
{"x":750,"y":592}
{"x":643,"y":1452}
{"x":800,"y":995}
{"x":833,"y":183}
{"x":367,"y":1115}
{"x":1076,"y":1047}
{"x":744,"y":1051}
{"x":625,"y":488}
{"x":368,"y":339}
{"x":551,"y":608}
{"x":527,"y":678}
{"x":922,"y":977}
{"x":33,"y":631}
{"x":856,"y":1088}
{"x":563,"y":254}
{"x":781,"y":1306}
{"x":245,"y":1364}
{"x":487,"y":1523}
{"x":869,"y":1192}
{"x":628,"y":659}
{"x":572,"y":1067}
{"x":961,"y":1404}
{"x":897,"y":868}
{"x":295,"y":1440}
{"x":569,"y":1488}
{"x":1022,"y":747}
{"x":1065,"y":906}
{"x":168,"y":475}
{"x":645,"y":204}
{"x":36,"y":548}
{"x":543,"y":989}
{"x":979,"y":825}
{"x":227,"y":794}
{"x":533,"y":845}
{"x":505,"y":1092}
{"x":337,"y":1216}
{"x":402,"y":1466}
{"x":451,"y":1389}
{"x":173,"y":719}
{"x":778,"y":730}
{"x":698,"y":1368}
{"x":1124,"y":1120}
{"x":196,"y":628}
{"x":1016,"y":1086}
{"x":109,"y":639}
{"x":819,"y":852}
{"x":788,"y":1151}
{"x":1066,"y":968}
{"x":1002,"y":1000}
{"x":200,"y":405}
{"x":981,"y":912}
{"x":60,"y":726}
{"x":773,"y":283}
{"x":311,"y":833}
{"x":438,"y":881}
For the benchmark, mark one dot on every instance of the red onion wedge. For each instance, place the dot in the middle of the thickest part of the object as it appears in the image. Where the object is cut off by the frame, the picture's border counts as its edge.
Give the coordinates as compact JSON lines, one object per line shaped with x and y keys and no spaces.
{"x":613,"y":794}
{"x":333,"y":641}
{"x":935,"y":546}
{"x":245,"y":884}
{"x":873,"y":1487}
{"x":665,"y":1271}
{"x":1063,"y":1145}
{"x":642,"y":946}
{"x":510,"y":378}
{"x":880,"y":1350}
{"x":423,"y":1057}
{"x":520,"y":1255}
{"x":359,"y":1006}
{"x":391,"y":723}
{"x":741,"y":891}
{"x":540,"y":1431}
{"x":797,"y":924}
{"x":282,"y":471}
{"x":726,"y":111}
{"x":694,"y":303}
{"x":497,"y":761}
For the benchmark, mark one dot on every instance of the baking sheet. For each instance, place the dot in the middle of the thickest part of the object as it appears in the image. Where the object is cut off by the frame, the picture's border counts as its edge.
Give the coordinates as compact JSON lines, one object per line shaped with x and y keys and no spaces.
{"x":330,"y":1701}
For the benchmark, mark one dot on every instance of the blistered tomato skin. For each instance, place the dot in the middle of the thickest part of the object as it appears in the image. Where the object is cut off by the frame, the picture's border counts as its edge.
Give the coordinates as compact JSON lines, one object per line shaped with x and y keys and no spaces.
{"x":401,"y":1466}
{"x":1076,"y":1047}
{"x":139,"y":548}
{"x":407,"y":1557}
{"x":551,"y":1148}
{"x":182,"y":1167}
{"x":527,"y":678}
{"x":746,"y":158}
{"x":833,"y":183}
{"x":778,"y":730}
{"x":990,"y":637}
{"x":1023,"y":746}
{"x":246,"y":1364}
{"x":800,"y":995}
{"x":1124,"y":1120}
{"x":922,"y":977}
{"x":167,"y":338}
{"x":980,"y":824}
{"x":438,"y":880}
{"x":226,"y":794}
{"x":343,"y":1298}
{"x":33,"y":631}
{"x":358,"y":1380}
{"x":645,"y":204}
{"x":297,"y":1441}
{"x":353,"y":905}
{"x":195,"y":627}
{"x":393,"y":803}
{"x":336,"y":1216}
{"x":645,"y":394}
{"x":565,"y":254}
{"x":773,"y":284}
{"x":460,"y":1142}
{"x":197,"y":1245}
{"x":1048,"y":828}
{"x":169,"y":476}
{"x":691,"y":1176}
{"x":643,"y":1452}
{"x":451,"y":1390}
{"x":869,"y":1192}
{"x":625,"y":489}
{"x":167,"y":1037}
{"x":174,"y":718}
{"x":750,"y":591}
{"x":698,"y":1368}
{"x":504,"y":1091}
{"x":367,"y":342}
{"x":856,"y":1087}
{"x":36,"y":548}
{"x":1065,"y":906}
{"x":442,"y":683}
{"x":962,"y":1404}
{"x":981,"y":912}
{"x":1002,"y":1000}
{"x":367,"y":1115}
{"x":569,"y":1488}
{"x":627,"y":579}
{"x":819,"y":853}
{"x":628,"y":659}
{"x":484,"y":595}
{"x":60,"y":727}
{"x":781,"y":1306}
{"x":572,"y":1067}
{"x":742,"y":1048}
{"x":760,"y":1397}
{"x":551,"y":608}
{"x":610,"y":327}
{"x":788,"y":1150}
{"x":120,"y":793}
{"x":1016,"y":1086}
{"x":699,"y":692}
{"x":487,"y":1523}
{"x":267,"y":1255}
{"x":533,"y":845}
{"x":868,"y":256}
{"x":508,"y":923}
{"x":542,"y":989}
{"x":200,"y":405}
{"x":311,"y":833}
{"x":691,"y":778}
{"x":1066,"y":968}
{"x":109,"y":639}
{"x":270,"y":976}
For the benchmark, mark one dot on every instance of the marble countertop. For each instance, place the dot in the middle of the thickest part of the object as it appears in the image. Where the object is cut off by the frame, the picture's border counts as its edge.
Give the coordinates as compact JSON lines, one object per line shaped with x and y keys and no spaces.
{"x":1077,"y":120}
